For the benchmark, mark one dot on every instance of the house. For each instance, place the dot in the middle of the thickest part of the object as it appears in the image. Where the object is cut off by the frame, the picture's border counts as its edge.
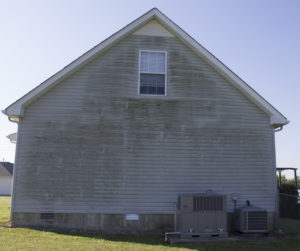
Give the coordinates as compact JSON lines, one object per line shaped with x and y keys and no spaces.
{"x":110,"y":141}
{"x":6,"y":176}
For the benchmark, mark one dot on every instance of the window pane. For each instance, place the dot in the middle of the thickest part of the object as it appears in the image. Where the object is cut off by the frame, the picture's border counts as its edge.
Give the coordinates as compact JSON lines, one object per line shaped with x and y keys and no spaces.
{"x":152,"y":90}
{"x":153,"y":62}
{"x":160,"y":80}
{"x":143,"y":90}
{"x":147,"y":79}
{"x":160,"y":62}
{"x":152,"y":84}
{"x":144,"y":62}
{"x":160,"y":90}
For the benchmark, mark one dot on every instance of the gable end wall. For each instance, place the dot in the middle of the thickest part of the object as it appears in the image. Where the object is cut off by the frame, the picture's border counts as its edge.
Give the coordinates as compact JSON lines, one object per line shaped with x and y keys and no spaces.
{"x":91,"y":144}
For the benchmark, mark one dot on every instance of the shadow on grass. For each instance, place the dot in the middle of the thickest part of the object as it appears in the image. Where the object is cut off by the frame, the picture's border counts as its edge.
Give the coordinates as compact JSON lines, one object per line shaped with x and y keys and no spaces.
{"x":287,"y":241}
{"x":283,"y":243}
{"x":144,"y":239}
{"x":151,"y":242}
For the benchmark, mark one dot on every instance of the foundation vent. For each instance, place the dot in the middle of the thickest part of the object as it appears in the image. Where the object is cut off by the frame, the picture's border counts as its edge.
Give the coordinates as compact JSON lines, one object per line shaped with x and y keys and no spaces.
{"x":47,"y":216}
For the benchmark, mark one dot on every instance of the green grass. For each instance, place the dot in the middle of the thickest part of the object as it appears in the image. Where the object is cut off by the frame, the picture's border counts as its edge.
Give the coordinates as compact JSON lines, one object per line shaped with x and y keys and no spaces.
{"x":30,"y":239}
{"x":4,"y":208}
{"x":290,"y":227}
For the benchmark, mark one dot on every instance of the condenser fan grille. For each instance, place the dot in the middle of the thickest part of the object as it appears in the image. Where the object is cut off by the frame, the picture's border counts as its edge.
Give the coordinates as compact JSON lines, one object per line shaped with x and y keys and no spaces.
{"x":208,"y":203}
{"x":257,"y":220}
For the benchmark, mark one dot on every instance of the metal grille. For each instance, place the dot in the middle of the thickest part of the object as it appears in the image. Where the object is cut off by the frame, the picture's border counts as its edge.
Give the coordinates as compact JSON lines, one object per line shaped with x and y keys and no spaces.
{"x":208,"y":203}
{"x":47,"y":216}
{"x":257,"y":220}
{"x":245,"y":220}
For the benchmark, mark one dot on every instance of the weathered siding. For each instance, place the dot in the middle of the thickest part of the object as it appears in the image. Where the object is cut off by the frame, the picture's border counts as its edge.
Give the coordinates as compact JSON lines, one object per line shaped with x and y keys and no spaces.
{"x":91,"y":144}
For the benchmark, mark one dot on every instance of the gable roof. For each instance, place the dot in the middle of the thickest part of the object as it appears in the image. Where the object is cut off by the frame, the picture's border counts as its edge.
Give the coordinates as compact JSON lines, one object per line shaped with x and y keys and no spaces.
{"x":16,"y":110}
{"x":6,"y":169}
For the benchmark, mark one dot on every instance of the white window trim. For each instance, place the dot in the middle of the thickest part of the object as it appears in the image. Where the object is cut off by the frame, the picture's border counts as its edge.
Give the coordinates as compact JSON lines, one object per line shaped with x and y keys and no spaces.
{"x":165,"y":73}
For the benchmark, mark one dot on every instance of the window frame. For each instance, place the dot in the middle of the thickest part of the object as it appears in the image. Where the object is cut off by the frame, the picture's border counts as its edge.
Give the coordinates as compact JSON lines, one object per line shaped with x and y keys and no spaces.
{"x":141,"y":72}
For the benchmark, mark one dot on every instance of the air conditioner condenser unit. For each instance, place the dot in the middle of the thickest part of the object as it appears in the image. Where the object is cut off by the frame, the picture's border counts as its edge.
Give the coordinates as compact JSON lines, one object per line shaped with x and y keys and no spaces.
{"x":201,"y":215}
{"x":251,"y":219}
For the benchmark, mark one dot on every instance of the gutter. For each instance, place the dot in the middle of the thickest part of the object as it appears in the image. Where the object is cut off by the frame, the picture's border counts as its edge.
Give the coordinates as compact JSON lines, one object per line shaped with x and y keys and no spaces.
{"x":14,"y":119}
{"x":278,"y":129}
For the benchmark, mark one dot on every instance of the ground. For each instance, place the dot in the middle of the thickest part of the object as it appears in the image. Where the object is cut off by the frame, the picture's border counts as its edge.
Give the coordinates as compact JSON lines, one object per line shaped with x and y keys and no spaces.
{"x":29,"y":239}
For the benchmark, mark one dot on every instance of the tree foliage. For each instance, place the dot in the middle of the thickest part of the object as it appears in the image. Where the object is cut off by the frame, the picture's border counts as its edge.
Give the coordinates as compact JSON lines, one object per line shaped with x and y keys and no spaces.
{"x":288,"y":185}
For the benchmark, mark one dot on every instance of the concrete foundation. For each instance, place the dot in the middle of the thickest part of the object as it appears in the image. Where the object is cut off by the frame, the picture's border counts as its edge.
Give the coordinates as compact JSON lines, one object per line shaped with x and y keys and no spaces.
{"x":109,"y":223}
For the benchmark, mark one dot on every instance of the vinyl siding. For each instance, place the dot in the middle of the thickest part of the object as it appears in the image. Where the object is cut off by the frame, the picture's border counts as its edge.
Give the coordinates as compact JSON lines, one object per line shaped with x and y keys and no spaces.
{"x":5,"y":185}
{"x":92,"y":144}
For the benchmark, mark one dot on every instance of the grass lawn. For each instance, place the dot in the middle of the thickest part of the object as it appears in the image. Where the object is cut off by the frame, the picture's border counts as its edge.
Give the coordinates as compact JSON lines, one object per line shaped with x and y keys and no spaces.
{"x":4,"y":208}
{"x":29,"y":239}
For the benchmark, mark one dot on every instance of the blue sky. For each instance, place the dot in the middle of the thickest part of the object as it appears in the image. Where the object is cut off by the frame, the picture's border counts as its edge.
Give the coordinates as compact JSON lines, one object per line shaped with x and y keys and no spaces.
{"x":258,"y":40}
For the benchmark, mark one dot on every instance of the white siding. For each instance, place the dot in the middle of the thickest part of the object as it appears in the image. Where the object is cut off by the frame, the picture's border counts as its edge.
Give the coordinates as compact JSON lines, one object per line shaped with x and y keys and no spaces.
{"x":91,"y":144}
{"x":5,"y":185}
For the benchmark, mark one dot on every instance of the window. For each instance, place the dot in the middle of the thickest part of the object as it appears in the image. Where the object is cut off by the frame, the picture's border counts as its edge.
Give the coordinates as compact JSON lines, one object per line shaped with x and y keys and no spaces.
{"x":152,"y":75}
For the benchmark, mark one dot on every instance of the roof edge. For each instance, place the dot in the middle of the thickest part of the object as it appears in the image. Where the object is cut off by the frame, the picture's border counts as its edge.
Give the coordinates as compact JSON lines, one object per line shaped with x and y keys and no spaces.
{"x":275,"y":116}
{"x":17,"y":108}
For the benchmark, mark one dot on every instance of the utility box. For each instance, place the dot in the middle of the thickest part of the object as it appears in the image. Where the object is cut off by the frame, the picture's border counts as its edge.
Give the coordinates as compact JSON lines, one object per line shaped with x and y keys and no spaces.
{"x":202,"y":214}
{"x":251,"y":219}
